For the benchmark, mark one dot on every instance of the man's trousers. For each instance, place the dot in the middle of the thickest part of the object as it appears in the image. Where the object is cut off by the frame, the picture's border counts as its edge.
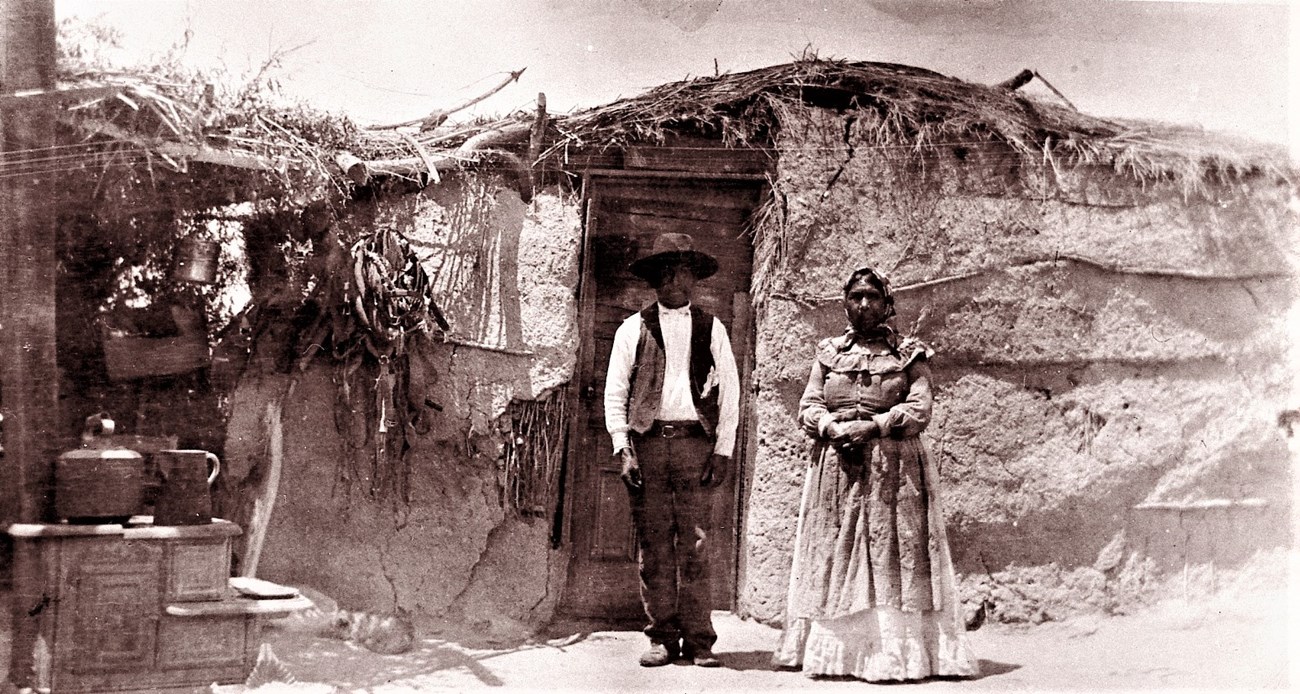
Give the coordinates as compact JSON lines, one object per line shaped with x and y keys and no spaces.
{"x":672,"y":516}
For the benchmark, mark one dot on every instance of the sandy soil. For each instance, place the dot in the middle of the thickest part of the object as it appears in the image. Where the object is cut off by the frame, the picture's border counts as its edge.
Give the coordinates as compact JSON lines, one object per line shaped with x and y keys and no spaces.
{"x":1228,"y":643}
{"x":1239,"y":643}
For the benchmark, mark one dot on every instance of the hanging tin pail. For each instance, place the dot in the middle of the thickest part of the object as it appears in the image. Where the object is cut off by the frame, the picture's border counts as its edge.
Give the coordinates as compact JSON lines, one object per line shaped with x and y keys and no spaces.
{"x":196,"y":261}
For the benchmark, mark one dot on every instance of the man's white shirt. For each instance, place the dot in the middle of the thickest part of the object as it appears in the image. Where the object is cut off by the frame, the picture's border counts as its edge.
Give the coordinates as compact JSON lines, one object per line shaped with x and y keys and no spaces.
{"x":676,"y":403}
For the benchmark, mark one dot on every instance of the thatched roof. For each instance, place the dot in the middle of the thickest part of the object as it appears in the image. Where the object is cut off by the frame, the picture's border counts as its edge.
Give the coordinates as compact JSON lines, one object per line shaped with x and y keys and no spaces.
{"x":170,"y":123}
{"x":913,"y":109}
{"x":918,"y":108}
{"x":290,"y":149}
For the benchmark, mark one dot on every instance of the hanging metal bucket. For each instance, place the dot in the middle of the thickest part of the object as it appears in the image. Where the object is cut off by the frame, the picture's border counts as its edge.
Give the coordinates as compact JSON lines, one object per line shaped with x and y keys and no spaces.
{"x":196,"y":260}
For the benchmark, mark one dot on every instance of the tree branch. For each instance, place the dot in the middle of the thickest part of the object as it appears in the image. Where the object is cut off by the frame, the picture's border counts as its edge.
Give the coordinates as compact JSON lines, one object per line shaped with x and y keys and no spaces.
{"x":436,"y":118}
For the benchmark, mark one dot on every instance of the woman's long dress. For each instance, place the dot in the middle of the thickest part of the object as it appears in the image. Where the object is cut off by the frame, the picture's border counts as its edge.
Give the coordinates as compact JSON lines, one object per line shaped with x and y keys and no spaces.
{"x":872,"y":593}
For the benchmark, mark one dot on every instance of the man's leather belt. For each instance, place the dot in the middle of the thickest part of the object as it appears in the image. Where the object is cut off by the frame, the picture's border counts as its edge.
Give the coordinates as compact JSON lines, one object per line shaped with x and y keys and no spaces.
{"x":675,"y":430}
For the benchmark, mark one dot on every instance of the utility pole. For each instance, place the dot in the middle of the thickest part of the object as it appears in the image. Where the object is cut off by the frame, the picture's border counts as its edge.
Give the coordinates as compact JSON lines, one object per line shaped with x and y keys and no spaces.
{"x":29,"y":390}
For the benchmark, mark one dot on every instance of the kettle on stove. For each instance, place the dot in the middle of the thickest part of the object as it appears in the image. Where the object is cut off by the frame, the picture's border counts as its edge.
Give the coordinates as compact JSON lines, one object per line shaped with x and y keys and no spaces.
{"x":99,"y":482}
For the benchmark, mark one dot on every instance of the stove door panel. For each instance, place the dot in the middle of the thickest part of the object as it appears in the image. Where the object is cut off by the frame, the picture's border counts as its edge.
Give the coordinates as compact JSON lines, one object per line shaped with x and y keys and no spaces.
{"x":107,"y":615}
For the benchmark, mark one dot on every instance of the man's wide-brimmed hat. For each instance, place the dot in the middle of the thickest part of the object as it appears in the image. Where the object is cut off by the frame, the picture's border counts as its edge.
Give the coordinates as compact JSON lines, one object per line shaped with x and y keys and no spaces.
{"x":673,"y":248}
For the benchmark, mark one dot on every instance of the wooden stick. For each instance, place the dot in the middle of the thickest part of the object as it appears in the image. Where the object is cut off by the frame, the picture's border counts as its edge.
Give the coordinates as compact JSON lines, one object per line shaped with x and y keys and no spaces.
{"x":539,"y":132}
{"x":424,"y":157}
{"x":1055,"y":91}
{"x":353,"y":167}
{"x":43,"y":98}
{"x":436,"y":117}
{"x":411,"y":167}
{"x":1021,"y":79}
{"x":512,"y":77}
{"x":488,"y":138}
{"x":361,"y":171}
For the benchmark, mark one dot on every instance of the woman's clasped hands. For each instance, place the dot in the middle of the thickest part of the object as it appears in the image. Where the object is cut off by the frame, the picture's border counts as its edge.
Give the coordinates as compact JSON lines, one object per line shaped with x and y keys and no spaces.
{"x":852,"y":433}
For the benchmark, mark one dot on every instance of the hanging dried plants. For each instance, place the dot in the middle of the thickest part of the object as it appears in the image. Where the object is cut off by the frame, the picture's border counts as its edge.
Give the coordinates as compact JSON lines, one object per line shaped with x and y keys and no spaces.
{"x":534,"y":451}
{"x":373,"y":301}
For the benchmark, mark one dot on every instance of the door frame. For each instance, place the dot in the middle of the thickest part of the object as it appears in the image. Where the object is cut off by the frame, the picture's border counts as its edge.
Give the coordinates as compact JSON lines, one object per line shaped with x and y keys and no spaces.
{"x":580,"y":443}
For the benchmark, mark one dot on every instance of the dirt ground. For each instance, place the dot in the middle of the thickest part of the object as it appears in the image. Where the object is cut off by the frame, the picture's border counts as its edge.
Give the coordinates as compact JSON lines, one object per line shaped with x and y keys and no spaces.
{"x":1241,"y":642}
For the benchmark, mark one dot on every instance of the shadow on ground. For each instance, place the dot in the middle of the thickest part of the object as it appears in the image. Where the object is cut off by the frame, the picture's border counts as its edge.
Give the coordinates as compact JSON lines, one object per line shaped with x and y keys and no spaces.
{"x":351,"y":667}
{"x":746,"y":660}
{"x":762,"y":660}
{"x":992,"y":668}
{"x":1235,"y":642}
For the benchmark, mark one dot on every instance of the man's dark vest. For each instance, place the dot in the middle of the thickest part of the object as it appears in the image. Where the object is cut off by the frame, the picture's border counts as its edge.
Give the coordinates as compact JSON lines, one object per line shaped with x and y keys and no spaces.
{"x":648,"y":372}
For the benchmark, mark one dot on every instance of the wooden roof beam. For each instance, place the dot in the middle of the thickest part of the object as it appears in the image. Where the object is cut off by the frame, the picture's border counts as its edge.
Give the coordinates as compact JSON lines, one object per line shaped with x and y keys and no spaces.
{"x":180,"y":150}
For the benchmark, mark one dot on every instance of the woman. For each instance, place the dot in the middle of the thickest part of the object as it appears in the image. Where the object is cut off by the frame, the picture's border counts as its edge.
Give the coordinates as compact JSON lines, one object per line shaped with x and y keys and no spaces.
{"x":872,"y":593}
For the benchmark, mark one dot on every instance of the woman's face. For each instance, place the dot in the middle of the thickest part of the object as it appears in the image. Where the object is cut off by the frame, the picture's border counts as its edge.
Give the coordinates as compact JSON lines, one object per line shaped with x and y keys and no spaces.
{"x":865,"y":305}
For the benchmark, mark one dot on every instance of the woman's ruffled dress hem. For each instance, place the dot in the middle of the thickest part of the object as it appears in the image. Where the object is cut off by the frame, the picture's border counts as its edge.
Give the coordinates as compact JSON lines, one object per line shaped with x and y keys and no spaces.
{"x":877,"y":645}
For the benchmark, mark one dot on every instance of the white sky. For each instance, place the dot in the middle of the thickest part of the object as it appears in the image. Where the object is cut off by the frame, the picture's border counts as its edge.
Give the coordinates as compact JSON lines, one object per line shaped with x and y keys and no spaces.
{"x":1221,"y":65}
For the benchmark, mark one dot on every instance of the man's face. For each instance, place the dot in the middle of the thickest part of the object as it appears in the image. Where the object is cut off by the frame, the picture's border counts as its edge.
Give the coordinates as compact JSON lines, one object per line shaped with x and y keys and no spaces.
{"x":676,"y":285}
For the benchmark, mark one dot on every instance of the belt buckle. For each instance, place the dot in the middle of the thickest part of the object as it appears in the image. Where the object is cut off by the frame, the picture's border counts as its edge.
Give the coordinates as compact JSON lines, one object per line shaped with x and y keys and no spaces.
{"x":668,"y":431}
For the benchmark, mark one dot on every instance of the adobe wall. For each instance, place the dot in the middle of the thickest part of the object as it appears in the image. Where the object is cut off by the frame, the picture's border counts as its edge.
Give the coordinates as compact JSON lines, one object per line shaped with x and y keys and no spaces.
{"x":1101,"y":346}
{"x":456,"y":552}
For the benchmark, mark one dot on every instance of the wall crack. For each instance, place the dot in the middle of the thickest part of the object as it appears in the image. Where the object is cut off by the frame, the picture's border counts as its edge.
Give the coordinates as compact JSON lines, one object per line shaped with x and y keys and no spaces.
{"x":848,"y":143}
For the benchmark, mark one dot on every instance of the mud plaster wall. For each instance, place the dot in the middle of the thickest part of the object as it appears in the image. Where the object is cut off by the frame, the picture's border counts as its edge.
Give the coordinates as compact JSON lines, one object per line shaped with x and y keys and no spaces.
{"x":1100,"y":346}
{"x":505,"y":271}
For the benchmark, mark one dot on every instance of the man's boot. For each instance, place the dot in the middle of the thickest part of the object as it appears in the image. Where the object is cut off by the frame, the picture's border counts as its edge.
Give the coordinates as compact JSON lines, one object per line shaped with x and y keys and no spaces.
{"x":701,"y":657}
{"x":659,"y":654}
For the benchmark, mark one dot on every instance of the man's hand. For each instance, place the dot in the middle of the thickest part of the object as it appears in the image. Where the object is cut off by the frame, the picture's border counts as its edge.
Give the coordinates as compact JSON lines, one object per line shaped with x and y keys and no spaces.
{"x":631,"y":474}
{"x":715,"y":470}
{"x":853,"y":433}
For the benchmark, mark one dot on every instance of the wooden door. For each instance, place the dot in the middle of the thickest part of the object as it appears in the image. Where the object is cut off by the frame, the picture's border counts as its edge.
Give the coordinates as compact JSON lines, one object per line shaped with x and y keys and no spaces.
{"x":623,"y":218}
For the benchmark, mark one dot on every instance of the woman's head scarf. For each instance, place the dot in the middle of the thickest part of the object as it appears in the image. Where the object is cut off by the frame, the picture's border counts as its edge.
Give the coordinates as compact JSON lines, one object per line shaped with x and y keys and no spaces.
{"x":879,"y":281}
{"x":909,"y":348}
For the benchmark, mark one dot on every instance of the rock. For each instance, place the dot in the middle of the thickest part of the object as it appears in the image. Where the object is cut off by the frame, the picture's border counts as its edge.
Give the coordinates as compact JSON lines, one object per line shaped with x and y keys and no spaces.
{"x":976,"y":615}
{"x":1110,"y":556}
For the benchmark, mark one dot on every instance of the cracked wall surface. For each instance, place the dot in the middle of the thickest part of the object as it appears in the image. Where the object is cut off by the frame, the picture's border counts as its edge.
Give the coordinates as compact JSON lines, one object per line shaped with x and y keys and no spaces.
{"x":1101,"y":346}
{"x":506,"y":272}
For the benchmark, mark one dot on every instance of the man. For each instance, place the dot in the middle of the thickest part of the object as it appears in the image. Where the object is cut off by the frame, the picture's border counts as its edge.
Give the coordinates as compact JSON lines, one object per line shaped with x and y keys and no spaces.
{"x":671,"y":407}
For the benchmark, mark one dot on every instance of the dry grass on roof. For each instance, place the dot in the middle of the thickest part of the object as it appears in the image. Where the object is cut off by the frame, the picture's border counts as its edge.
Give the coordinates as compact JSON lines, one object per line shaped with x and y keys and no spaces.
{"x":1148,"y":150}
{"x":913,"y":109}
{"x":163,"y":121}
{"x":916,"y":108}
{"x":161,"y":115}
{"x":911,"y":101}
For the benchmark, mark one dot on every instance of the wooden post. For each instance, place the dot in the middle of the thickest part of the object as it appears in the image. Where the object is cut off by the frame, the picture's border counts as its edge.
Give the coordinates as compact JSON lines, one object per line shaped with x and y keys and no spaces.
{"x":535,"y":141}
{"x":28,"y":373}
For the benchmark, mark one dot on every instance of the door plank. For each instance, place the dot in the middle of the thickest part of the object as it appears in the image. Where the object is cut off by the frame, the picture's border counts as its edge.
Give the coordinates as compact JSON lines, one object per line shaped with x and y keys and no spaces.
{"x":615,"y":538}
{"x":742,"y":195}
